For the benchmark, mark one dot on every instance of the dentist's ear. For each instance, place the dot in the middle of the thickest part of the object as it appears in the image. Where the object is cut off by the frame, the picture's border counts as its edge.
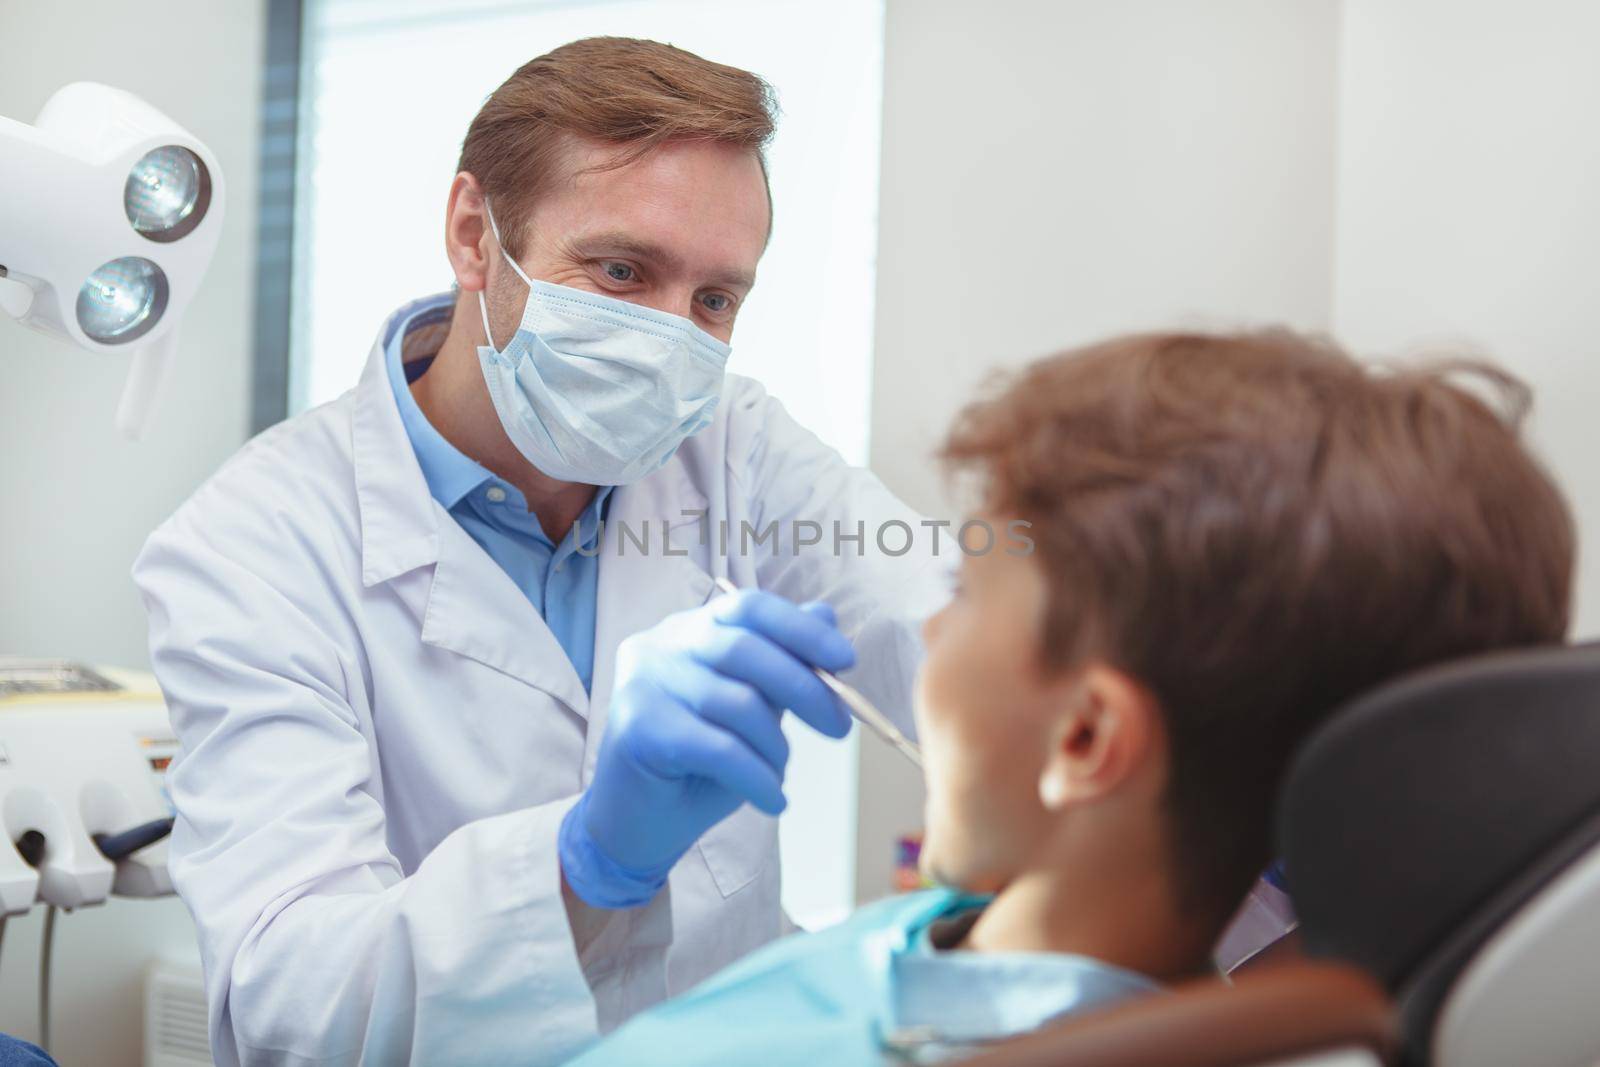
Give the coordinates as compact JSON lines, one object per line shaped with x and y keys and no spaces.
{"x":1108,"y":731}
{"x":467,"y":241}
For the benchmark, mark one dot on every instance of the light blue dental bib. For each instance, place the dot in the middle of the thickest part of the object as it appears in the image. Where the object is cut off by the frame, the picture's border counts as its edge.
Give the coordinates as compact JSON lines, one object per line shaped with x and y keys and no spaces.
{"x":834,"y":997}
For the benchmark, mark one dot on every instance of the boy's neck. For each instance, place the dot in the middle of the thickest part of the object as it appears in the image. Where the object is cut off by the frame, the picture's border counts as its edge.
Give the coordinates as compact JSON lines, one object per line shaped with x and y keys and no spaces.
{"x":1118,"y":910}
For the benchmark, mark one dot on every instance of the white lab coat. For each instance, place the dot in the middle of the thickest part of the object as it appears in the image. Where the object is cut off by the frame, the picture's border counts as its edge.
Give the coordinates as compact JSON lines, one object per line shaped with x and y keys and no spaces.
{"x":380,"y":736}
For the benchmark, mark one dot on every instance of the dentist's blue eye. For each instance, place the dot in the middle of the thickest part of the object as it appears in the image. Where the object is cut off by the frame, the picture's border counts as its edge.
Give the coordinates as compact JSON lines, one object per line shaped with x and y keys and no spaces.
{"x":716,"y":303}
{"x":618,"y":272}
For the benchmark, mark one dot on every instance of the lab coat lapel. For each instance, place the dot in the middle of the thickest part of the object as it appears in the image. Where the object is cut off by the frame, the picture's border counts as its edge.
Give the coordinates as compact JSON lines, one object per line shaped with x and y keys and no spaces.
{"x":399,"y":527}
{"x":637,"y":590}
{"x":476,"y":610}
{"x":472,"y":607}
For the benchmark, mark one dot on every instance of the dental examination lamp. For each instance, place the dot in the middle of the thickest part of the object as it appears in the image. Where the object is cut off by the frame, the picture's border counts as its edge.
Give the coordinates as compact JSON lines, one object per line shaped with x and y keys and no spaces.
{"x":109,"y":215}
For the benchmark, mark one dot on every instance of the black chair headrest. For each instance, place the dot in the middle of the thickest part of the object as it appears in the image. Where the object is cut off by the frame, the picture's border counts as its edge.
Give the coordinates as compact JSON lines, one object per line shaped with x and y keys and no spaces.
{"x":1419,"y":808}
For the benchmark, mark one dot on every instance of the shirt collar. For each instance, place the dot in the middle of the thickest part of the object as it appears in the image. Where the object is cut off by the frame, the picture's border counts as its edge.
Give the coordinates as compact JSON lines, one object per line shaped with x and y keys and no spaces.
{"x":450,"y":473}
{"x":414,"y":335}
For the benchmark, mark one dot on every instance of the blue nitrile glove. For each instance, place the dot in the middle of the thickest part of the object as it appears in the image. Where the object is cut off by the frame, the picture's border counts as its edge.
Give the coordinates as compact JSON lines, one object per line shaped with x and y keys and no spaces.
{"x":694,"y":732}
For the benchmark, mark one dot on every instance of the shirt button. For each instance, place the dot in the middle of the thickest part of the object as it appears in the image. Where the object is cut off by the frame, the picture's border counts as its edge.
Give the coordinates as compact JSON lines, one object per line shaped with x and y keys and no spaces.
{"x":496,"y":495}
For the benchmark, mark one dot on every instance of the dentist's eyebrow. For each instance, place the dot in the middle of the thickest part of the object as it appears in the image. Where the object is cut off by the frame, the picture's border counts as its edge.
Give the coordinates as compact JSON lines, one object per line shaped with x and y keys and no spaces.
{"x":619,"y":243}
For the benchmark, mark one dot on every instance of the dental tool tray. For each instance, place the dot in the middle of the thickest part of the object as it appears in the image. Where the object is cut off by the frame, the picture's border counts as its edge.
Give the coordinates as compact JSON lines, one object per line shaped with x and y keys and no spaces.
{"x":40,"y":677}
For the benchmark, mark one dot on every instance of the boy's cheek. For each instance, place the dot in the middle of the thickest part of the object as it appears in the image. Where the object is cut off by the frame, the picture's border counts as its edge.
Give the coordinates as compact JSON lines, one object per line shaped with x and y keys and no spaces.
{"x":929,"y":694}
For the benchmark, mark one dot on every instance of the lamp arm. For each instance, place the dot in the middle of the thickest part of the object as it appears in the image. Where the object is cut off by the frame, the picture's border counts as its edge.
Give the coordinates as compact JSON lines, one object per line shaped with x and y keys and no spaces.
{"x":147,"y":376}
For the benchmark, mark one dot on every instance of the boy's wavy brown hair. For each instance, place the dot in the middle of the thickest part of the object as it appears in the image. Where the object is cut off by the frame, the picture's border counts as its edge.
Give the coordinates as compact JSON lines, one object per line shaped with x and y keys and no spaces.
{"x":1258,"y":528}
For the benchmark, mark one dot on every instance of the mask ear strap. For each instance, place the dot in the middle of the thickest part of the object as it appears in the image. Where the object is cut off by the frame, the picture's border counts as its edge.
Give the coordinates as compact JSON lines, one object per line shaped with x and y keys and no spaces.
{"x":483,"y":307}
{"x":487,"y":210}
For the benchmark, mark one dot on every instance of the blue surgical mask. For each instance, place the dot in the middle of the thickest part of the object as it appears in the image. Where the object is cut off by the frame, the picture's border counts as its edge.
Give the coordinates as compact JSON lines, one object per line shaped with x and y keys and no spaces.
{"x":597,"y":390}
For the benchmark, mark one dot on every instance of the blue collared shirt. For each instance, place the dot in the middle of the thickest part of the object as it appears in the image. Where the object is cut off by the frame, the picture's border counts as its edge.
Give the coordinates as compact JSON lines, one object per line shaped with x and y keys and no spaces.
{"x":561,"y":582}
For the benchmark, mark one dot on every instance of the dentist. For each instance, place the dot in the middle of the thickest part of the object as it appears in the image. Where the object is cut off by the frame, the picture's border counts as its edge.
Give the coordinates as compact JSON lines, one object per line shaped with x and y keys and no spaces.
{"x":473,"y":765}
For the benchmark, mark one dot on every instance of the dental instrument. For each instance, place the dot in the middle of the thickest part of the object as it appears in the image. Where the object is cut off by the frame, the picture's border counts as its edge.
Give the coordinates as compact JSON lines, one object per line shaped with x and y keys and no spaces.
{"x":858,"y":706}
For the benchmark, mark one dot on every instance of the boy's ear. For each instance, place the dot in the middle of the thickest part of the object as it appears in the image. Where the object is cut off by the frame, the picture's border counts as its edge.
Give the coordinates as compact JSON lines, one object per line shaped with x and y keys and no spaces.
{"x":1106,"y":732}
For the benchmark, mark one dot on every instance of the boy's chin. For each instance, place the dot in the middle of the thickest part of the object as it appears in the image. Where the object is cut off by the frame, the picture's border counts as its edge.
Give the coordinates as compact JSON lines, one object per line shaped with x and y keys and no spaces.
{"x":934,"y":872}
{"x":945,"y":857}
{"x":929,"y":861}
{"x":954,"y":869}
{"x":951,"y":871}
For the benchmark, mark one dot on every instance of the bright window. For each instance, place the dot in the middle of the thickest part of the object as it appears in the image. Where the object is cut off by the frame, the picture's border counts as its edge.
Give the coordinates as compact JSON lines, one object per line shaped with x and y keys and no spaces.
{"x":388,"y":88}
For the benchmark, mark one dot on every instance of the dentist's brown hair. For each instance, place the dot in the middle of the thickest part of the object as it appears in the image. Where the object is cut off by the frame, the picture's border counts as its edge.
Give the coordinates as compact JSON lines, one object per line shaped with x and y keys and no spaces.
{"x":632,"y":93}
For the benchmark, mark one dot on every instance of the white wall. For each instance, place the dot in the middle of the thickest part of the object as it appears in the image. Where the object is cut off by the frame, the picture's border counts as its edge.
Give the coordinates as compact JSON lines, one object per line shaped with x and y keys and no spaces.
{"x":1056,"y":171}
{"x":1469,"y":208}
{"x":78,"y":501}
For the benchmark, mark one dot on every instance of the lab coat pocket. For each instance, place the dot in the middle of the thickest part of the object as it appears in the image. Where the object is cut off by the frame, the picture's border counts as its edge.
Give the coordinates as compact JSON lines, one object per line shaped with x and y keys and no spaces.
{"x":738,"y":847}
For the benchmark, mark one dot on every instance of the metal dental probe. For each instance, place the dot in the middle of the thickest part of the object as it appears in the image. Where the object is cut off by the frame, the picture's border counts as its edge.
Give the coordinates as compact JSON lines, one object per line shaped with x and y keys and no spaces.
{"x":858,"y":705}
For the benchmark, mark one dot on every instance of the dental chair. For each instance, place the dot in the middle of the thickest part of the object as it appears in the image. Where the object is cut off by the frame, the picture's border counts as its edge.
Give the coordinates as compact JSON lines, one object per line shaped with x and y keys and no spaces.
{"x":1441,"y":838}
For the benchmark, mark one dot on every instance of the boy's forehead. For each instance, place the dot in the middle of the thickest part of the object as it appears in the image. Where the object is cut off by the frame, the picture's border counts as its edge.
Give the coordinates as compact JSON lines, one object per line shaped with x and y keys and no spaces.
{"x":992,"y":551}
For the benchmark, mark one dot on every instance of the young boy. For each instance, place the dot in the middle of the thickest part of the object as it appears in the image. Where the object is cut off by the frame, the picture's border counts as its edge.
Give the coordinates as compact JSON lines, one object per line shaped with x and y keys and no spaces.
{"x":1233,"y":536}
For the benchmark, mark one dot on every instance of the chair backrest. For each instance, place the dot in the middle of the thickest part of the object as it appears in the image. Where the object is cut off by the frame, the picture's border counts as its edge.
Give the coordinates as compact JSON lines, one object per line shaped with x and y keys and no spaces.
{"x":1528,"y":994}
{"x":1427,"y":823}
{"x":1303,"y":1013}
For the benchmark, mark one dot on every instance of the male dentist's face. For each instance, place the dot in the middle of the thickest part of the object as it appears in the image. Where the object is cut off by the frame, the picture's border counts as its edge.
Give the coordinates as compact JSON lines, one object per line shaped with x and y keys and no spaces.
{"x":680,"y":229}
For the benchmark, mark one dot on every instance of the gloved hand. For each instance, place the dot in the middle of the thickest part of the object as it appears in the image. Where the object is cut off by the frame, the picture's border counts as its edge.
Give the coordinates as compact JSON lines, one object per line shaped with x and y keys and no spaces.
{"x":694,"y":732}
